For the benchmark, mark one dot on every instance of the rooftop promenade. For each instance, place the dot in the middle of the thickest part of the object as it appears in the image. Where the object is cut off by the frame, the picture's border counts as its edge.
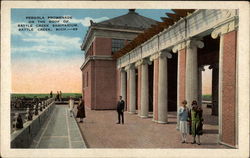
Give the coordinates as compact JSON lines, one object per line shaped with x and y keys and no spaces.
{"x":59,"y":131}
{"x":101,"y":131}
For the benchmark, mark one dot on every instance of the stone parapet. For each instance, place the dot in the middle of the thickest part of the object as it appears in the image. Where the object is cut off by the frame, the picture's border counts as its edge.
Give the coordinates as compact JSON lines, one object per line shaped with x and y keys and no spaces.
{"x":22,"y":138}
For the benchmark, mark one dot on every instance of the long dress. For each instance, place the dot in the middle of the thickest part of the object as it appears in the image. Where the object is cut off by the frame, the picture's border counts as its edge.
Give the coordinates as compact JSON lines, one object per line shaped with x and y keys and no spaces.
{"x":196,"y":118}
{"x":81,"y":110}
{"x":71,"y":104}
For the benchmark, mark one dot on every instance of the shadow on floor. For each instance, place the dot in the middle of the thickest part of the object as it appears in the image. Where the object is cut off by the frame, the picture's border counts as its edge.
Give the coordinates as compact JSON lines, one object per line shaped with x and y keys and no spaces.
{"x":210,"y":131}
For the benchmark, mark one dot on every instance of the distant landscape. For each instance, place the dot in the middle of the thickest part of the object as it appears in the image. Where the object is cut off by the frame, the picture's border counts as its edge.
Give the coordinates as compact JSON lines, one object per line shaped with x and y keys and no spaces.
{"x":207,"y":97}
{"x":32,"y":95}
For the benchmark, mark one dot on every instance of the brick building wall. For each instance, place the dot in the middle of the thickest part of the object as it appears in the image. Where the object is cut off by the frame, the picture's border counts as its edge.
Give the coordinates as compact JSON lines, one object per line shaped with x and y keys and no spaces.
{"x":182,"y":74}
{"x":229,"y":89}
{"x":87,"y":85}
{"x":155,"y":91}
{"x":102,"y":46}
{"x":105,"y":84}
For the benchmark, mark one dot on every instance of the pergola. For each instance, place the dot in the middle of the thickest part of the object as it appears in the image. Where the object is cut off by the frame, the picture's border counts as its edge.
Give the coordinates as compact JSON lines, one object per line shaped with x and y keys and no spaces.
{"x":155,"y":29}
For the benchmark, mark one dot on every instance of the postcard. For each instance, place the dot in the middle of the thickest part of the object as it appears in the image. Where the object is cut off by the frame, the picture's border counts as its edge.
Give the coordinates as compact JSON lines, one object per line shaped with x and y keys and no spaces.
{"x":124,"y":79}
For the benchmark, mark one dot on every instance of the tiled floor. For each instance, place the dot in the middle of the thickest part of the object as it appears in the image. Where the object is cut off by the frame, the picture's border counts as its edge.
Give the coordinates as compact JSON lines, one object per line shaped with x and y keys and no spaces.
{"x":59,"y":131}
{"x":101,"y":131}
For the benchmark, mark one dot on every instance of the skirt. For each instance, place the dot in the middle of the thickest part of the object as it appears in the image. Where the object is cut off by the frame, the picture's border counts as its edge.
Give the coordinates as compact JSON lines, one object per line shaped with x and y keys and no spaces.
{"x":184,"y":127}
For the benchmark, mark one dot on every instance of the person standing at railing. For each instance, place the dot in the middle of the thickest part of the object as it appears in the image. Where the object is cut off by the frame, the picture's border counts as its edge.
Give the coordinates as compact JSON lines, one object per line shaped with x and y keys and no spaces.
{"x":19,"y":122}
{"x":57,"y":96}
{"x":60,"y":95}
{"x":71,"y":106}
{"x":51,"y":94}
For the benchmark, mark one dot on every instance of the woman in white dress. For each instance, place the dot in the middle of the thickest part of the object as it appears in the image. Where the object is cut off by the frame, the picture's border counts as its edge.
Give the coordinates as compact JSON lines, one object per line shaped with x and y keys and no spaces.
{"x":71,"y":106}
{"x":184,"y":129}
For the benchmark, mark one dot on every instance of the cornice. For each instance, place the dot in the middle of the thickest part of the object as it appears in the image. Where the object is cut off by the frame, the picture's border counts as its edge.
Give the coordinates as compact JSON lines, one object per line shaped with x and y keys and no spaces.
{"x":96,"y":57}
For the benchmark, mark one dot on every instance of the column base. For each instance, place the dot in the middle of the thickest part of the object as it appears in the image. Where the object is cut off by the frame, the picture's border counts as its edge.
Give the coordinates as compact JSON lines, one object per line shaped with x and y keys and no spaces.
{"x":132,"y":112}
{"x":144,"y":116}
{"x":154,"y":120}
{"x":162,"y":122}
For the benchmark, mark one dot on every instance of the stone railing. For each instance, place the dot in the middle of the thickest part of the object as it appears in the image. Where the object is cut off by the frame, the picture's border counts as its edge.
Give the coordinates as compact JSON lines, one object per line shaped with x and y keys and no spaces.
{"x":23,"y":131}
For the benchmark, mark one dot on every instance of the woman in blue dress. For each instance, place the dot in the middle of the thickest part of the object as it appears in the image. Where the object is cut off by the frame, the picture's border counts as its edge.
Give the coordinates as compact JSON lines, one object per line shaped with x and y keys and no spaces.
{"x":184,"y":129}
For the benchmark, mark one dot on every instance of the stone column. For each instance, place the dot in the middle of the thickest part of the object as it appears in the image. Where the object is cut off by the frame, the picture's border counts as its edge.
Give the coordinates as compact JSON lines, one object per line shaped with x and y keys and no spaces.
{"x":180,"y":49}
{"x":127,"y":101}
{"x":163,"y":88}
{"x":144,"y":89}
{"x":138,"y":66}
{"x":200,"y":69}
{"x":215,"y":82}
{"x":132,"y":90}
{"x":192,"y":70}
{"x":123,"y":84}
{"x":155,"y":58}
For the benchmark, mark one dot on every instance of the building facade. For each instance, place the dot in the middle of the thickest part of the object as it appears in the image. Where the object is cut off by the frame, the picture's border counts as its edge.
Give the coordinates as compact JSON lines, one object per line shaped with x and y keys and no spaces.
{"x":102,"y":40}
{"x":161,"y":67}
{"x":204,"y":37}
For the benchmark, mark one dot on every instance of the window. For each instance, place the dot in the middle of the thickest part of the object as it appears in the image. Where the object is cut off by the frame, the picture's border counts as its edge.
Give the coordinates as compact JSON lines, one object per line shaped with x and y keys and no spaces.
{"x":117,"y":44}
{"x":87,"y":79}
{"x":83,"y":80}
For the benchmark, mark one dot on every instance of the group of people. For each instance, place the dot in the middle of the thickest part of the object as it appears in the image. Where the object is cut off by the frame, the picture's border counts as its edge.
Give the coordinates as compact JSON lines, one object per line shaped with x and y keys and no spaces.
{"x":80,"y":108}
{"x":191,"y":121}
{"x":58,"y":95}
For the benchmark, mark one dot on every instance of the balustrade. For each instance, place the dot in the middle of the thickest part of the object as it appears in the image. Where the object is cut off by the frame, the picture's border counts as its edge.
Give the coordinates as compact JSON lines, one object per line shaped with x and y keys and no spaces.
{"x":32,"y":112}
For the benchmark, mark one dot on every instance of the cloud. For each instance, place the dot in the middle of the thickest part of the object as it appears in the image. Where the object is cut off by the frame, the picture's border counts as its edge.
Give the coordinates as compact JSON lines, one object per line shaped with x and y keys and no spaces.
{"x":86,"y":21}
{"x":14,"y":28}
{"x":47,"y":42}
{"x":44,"y":42}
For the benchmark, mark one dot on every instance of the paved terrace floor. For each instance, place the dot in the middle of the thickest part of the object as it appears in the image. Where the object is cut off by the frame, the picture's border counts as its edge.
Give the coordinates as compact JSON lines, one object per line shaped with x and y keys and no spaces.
{"x":59,"y":131}
{"x":101,"y":131}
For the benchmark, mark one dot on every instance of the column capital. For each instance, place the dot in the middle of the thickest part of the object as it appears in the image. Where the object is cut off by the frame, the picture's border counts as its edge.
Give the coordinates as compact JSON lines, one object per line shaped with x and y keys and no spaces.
{"x":143,"y":62}
{"x":179,"y":47}
{"x":165,"y":55}
{"x":130,"y":66}
{"x":188,"y":44}
{"x":154,"y":56}
{"x":122,"y":69}
{"x":194,"y":43}
{"x":223,"y":29}
{"x":161,"y":54}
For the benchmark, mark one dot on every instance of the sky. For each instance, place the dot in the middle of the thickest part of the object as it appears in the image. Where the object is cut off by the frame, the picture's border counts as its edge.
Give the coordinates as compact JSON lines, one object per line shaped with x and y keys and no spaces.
{"x":49,"y":58}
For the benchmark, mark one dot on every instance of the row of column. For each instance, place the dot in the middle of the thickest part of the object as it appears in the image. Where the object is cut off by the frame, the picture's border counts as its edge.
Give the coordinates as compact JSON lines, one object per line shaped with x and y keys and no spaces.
{"x":189,"y":89}
{"x":160,"y":81}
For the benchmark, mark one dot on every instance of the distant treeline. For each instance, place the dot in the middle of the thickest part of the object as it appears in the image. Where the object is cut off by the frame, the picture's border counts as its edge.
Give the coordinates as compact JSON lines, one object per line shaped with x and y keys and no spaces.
{"x":64,"y":95}
{"x":207,"y":97}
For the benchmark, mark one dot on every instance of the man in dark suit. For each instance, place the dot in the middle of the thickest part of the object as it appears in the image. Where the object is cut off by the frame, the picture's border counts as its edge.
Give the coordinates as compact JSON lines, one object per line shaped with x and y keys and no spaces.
{"x":120,"y":110}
